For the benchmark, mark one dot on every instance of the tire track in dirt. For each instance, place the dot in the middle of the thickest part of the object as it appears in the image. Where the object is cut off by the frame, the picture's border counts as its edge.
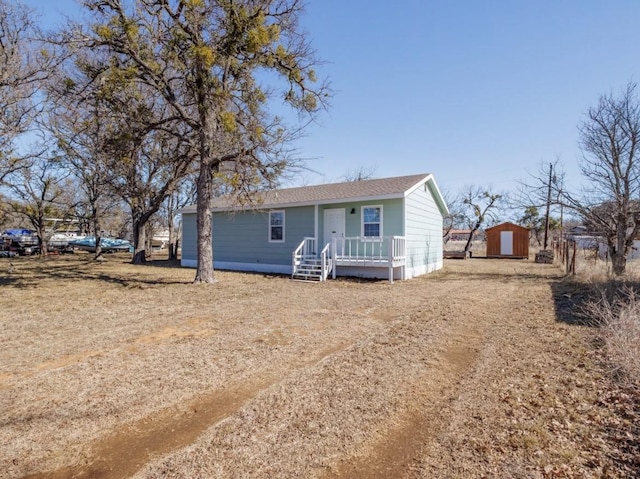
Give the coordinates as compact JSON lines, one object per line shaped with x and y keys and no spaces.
{"x":392,"y":457}
{"x":125,"y":452}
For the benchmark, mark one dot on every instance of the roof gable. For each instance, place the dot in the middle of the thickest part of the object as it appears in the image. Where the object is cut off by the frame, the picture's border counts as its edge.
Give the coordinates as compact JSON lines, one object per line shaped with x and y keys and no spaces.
{"x":507,"y":224}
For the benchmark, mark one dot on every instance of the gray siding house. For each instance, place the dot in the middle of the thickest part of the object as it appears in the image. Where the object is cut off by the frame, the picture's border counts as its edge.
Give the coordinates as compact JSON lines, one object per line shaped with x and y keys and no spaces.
{"x":387,"y":228}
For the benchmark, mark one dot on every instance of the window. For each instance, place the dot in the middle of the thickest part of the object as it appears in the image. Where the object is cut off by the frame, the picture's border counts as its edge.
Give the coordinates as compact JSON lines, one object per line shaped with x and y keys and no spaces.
{"x":276,"y":226}
{"x":372,"y":221}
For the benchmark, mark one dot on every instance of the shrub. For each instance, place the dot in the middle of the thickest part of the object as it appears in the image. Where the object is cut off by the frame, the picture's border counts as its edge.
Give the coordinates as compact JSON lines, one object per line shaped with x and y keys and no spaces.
{"x":618,"y":314}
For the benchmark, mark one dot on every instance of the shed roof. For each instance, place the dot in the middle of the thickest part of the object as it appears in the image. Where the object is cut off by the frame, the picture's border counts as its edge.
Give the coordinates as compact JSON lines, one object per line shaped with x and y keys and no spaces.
{"x":507,"y":223}
{"x":376,"y":189}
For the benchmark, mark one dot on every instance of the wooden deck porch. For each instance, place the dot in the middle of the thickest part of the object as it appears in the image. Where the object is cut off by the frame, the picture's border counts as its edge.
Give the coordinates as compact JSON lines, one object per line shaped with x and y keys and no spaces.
{"x":358,"y":251}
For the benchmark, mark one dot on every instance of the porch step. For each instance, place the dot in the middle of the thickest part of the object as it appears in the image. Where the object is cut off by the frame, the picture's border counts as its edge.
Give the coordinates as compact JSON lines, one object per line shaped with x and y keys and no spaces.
{"x":309,"y":270}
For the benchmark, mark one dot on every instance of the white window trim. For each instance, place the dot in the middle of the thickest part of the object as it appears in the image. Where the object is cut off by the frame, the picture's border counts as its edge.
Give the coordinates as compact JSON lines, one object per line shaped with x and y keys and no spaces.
{"x":284,"y":216}
{"x":362,"y":221}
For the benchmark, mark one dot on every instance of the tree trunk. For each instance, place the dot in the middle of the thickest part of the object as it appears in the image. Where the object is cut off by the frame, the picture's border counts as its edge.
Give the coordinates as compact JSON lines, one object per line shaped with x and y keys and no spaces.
{"x":467,"y":247}
{"x":172,"y":247}
{"x":148,"y":237}
{"x":139,"y":257}
{"x":619,"y":248}
{"x":97,"y":230}
{"x":170,"y":227}
{"x":618,"y":263}
{"x":176,"y":247}
{"x":206,"y":139}
{"x":42,"y":239}
{"x":175,"y":242}
{"x":204,"y":271}
{"x":536,"y":233}
{"x":139,"y":240}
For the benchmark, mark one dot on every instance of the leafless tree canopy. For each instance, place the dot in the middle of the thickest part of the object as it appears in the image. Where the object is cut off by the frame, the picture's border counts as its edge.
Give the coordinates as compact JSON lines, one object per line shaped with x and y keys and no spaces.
{"x":359,"y":174}
{"x":478,"y":205}
{"x":40,"y":193}
{"x":609,"y":139}
{"x":22,"y":68}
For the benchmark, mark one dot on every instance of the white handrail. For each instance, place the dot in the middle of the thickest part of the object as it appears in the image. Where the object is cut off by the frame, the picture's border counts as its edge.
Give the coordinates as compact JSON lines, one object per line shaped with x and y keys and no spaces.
{"x":325,"y":262}
{"x":296,"y":257}
{"x":298,"y":250}
{"x":306,"y":249}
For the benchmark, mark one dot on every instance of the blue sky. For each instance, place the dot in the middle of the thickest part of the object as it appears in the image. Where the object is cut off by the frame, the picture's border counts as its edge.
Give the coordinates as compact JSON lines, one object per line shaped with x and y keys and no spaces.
{"x":475,"y":92}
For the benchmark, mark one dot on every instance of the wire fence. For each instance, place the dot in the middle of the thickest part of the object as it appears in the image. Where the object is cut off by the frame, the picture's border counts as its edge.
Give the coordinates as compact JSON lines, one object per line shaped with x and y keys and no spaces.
{"x":578,"y":258}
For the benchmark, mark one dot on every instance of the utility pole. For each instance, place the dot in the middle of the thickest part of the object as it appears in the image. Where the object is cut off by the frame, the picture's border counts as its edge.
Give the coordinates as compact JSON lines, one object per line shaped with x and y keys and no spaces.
{"x":546,"y":218}
{"x":545,"y":255}
{"x":561,"y":222}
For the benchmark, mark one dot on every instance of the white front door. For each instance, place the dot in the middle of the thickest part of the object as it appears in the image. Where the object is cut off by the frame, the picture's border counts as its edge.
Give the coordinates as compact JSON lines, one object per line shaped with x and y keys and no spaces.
{"x":506,"y":243}
{"x":334,"y":225}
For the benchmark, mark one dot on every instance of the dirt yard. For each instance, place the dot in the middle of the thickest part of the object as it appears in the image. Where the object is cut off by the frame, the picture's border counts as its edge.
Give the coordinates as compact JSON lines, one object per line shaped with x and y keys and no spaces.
{"x":479,"y":370}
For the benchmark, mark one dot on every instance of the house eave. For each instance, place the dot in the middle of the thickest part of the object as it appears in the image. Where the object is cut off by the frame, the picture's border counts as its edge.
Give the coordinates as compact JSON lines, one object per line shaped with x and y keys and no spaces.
{"x":270,"y":206}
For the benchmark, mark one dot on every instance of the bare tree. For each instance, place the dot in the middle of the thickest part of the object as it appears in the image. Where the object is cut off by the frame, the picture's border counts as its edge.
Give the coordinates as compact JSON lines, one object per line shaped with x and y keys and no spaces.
{"x":361,"y":173}
{"x":610,"y":204}
{"x":80,"y":122}
{"x":119,"y":139}
{"x":456,"y":217}
{"x":479,"y":206}
{"x":151,"y":171}
{"x":204,"y":58}
{"x":542,"y":191}
{"x":39,"y":193}
{"x":182,"y":196}
{"x":23,"y":66}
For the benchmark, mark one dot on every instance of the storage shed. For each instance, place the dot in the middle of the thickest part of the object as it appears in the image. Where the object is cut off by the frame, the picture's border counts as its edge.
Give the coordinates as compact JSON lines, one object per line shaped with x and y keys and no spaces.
{"x":507,"y":240}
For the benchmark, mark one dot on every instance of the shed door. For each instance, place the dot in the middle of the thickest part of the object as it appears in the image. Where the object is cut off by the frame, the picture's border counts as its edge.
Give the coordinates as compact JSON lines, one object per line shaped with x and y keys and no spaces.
{"x":506,"y":243}
{"x":334,"y":225}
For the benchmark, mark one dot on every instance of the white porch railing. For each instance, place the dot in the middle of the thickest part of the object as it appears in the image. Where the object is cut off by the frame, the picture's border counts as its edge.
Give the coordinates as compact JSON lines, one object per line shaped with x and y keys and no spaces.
{"x":383,"y":251}
{"x":367,"y":251}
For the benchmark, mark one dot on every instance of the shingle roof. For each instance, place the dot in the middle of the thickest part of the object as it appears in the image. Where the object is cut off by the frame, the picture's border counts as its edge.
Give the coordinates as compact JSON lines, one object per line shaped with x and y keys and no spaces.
{"x":332,"y":192}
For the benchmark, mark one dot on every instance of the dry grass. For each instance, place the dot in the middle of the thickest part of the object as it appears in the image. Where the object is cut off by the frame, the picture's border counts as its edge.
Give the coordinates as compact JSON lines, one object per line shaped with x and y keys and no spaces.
{"x":111,"y":370}
{"x":618,"y":315}
{"x":612,"y":307}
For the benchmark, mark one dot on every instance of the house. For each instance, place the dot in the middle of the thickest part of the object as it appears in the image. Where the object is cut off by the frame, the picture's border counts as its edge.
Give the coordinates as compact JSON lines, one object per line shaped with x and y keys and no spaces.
{"x":383,"y":228}
{"x":507,"y":240}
